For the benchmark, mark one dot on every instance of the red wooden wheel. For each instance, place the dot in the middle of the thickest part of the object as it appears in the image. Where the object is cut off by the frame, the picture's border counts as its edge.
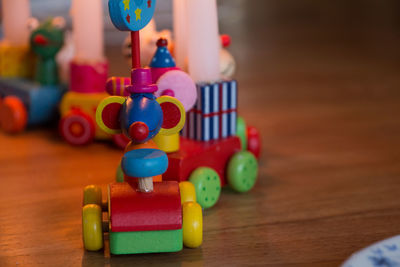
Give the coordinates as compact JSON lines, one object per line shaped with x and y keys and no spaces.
{"x":77,"y":128}
{"x":253,"y":141}
{"x":13,"y":115}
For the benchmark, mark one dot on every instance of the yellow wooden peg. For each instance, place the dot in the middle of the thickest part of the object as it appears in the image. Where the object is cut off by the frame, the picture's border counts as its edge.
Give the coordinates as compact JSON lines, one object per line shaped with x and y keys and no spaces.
{"x":167,"y":143}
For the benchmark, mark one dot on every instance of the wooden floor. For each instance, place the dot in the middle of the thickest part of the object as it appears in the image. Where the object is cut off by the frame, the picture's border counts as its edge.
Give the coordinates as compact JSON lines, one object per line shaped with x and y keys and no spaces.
{"x":320,"y":79}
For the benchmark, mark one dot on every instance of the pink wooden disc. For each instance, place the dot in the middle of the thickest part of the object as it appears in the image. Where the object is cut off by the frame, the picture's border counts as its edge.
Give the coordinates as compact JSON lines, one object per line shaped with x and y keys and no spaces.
{"x":182,"y":86}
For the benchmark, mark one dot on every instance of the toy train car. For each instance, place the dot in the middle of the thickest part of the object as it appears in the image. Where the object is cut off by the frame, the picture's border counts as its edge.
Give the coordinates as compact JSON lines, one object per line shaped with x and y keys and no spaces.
{"x":160,"y":221}
{"x":78,"y":106}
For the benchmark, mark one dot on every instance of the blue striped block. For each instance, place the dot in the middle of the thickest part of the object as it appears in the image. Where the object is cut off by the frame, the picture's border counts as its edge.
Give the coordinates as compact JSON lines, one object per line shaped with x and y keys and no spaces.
{"x":214,"y":115}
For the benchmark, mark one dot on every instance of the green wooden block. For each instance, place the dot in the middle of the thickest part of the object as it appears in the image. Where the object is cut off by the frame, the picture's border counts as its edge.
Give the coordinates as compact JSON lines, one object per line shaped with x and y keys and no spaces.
{"x":146,"y":242}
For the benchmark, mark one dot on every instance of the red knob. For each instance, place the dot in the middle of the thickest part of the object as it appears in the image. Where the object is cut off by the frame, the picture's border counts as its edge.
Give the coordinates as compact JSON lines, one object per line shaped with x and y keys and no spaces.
{"x":162,"y":42}
{"x":225,"y":40}
{"x":138,"y":131}
{"x":168,"y":92}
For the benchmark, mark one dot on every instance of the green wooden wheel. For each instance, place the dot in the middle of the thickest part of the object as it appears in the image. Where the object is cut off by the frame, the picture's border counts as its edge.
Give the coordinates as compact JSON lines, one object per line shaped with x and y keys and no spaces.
{"x":207,"y":185}
{"x":242,"y":171}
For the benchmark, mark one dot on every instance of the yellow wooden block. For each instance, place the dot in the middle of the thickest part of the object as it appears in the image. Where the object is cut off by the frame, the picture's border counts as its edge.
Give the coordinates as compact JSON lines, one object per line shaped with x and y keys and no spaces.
{"x":167,"y":143}
{"x":87,"y":103}
{"x":15,"y":61}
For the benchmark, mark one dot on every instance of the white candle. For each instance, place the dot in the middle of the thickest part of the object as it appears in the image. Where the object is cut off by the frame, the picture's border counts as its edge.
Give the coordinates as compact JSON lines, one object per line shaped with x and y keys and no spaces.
{"x":203,"y":40}
{"x":15,"y":15}
{"x":87,"y":26}
{"x":180,"y":33}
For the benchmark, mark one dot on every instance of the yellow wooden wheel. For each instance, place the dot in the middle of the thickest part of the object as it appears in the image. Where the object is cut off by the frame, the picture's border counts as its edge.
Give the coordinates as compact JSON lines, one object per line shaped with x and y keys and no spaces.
{"x":192,"y":224}
{"x":92,"y":231}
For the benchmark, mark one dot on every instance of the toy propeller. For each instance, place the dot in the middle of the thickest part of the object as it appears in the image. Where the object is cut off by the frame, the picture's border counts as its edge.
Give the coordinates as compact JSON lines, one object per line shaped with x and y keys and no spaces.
{"x":132,"y":15}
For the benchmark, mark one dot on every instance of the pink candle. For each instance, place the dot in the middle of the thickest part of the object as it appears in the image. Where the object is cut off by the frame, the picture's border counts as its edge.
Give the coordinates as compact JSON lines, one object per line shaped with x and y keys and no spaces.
{"x":203,"y":40}
{"x":180,"y":33}
{"x":87,"y":23}
{"x":15,"y":15}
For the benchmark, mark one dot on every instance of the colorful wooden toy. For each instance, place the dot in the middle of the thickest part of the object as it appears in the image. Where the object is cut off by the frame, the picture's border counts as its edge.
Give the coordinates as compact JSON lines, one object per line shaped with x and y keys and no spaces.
{"x":144,"y":216}
{"x":88,"y":76}
{"x":25,"y":102}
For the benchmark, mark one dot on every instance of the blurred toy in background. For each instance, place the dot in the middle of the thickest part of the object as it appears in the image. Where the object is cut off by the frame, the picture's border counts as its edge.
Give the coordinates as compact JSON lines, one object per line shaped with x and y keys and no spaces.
{"x":146,"y":214}
{"x":46,"y":40}
{"x":88,"y":74}
{"x":24,"y":102}
{"x":227,"y":64}
{"x":148,"y":38}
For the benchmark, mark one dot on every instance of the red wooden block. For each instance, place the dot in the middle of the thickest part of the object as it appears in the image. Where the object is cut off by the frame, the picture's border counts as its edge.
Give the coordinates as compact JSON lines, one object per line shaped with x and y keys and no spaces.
{"x":194,"y":154}
{"x":131,"y":210}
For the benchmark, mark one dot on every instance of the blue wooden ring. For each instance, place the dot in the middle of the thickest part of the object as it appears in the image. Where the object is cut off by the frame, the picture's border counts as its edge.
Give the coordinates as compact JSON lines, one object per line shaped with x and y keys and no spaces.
{"x":145,"y":162}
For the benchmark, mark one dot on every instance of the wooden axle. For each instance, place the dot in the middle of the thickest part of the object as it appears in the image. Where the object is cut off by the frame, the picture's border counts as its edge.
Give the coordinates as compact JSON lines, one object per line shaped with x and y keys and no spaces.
{"x":146,"y":184}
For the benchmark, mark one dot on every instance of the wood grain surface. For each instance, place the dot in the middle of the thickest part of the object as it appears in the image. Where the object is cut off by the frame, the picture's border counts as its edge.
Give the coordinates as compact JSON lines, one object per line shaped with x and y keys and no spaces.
{"x":320,"y":79}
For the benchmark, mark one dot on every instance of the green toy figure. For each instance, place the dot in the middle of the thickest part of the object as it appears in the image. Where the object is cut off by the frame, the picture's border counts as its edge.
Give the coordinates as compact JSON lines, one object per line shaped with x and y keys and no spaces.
{"x":46,"y":40}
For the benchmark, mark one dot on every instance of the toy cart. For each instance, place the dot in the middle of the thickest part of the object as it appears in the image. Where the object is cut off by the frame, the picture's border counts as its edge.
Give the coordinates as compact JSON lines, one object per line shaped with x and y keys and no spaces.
{"x":145,"y":215}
